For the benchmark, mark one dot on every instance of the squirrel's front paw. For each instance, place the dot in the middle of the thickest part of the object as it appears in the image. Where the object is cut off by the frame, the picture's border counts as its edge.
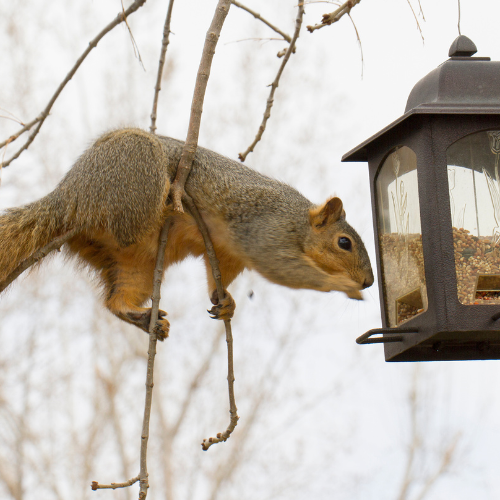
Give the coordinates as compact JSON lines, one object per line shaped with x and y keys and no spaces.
{"x":223,"y":309}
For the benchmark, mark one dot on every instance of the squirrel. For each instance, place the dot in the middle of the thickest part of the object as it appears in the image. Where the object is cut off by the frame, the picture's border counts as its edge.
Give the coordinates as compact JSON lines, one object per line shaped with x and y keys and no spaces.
{"x":116,"y":197}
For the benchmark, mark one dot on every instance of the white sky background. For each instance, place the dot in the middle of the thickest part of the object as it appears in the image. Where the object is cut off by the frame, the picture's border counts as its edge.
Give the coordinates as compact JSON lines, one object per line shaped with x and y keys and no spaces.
{"x":323,"y":108}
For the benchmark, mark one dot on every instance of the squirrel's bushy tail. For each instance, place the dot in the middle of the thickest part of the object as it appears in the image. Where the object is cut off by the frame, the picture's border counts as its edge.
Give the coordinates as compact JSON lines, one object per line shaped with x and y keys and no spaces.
{"x":24,"y":230}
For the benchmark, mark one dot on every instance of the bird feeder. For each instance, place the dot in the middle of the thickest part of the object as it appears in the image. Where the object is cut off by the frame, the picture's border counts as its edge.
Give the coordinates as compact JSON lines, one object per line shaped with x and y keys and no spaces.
{"x":435,"y":191}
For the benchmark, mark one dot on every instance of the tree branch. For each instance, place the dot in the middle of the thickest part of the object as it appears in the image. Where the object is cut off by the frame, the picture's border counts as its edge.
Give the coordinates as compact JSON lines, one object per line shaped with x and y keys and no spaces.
{"x":158,"y":274}
{"x":334,"y":16}
{"x":189,"y":149}
{"x":274,"y":85}
{"x":214,"y":263}
{"x":157,"y":278}
{"x":161,"y":63}
{"x":39,"y":120}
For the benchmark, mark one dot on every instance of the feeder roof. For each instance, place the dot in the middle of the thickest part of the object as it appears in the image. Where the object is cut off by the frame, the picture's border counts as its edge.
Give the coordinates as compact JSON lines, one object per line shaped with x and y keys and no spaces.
{"x":461,"y":85}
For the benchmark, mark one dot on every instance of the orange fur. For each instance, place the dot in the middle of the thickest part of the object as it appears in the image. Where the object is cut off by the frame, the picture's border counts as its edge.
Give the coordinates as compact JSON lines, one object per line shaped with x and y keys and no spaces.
{"x":127,"y":273}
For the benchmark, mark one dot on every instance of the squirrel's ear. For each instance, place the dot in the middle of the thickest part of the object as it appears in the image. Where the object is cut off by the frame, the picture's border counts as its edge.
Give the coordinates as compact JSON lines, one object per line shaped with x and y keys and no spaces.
{"x":330,"y":212}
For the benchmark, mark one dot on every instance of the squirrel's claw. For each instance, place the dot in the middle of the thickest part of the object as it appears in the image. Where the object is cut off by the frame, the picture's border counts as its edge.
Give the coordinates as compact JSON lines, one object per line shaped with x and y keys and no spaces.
{"x":142,"y":320}
{"x":223,"y":309}
{"x":162,"y":328}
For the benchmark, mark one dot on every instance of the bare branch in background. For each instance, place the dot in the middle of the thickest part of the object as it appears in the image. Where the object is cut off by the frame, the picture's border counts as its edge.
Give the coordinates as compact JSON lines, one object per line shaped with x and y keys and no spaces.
{"x":168,"y":433}
{"x":446,"y":460}
{"x":274,"y":85}
{"x":268,"y":382}
{"x":40,"y":119}
{"x":161,"y":63}
{"x":195,"y":382}
{"x":110,"y":390}
{"x":55,"y":244}
{"x":214,"y":263}
{"x":415,"y":439}
{"x":417,"y":449}
{"x":191,"y":144}
{"x":334,"y":16}
{"x":459,"y":31}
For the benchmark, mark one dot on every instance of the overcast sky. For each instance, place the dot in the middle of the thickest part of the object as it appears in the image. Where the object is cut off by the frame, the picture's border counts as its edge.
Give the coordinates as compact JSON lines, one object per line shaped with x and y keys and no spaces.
{"x":329,"y":101}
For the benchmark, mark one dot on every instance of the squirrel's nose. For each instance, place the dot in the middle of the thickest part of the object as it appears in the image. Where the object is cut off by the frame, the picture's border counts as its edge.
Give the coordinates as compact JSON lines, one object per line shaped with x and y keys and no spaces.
{"x":368,"y":282}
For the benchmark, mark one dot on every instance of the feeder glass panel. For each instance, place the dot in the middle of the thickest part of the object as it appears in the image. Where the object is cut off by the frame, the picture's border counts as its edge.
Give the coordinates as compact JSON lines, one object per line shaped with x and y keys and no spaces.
{"x":400,"y":237}
{"x":474,"y":185}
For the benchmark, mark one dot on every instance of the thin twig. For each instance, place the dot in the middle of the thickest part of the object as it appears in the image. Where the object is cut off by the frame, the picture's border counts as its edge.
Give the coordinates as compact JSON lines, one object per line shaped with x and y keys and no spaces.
{"x":359,"y":42}
{"x":274,"y":85}
{"x":214,"y":263}
{"x":12,"y":119}
{"x":255,"y":39}
{"x":13,"y":116}
{"x":96,"y":486}
{"x":38,"y":255}
{"x":189,"y":149}
{"x":459,"y":31}
{"x":421,"y":11}
{"x":309,"y":2}
{"x":161,"y":63}
{"x":122,"y":16}
{"x":137,"y":53}
{"x":334,"y":16}
{"x":416,"y":20}
{"x":260,"y":18}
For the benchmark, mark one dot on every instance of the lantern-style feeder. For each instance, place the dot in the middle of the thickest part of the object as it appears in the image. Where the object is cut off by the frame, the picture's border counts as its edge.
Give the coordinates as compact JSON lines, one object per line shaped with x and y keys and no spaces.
{"x":435,"y":189}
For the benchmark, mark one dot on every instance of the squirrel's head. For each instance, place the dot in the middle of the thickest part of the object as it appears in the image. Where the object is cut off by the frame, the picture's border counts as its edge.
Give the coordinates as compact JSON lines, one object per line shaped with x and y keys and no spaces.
{"x":338,"y":250}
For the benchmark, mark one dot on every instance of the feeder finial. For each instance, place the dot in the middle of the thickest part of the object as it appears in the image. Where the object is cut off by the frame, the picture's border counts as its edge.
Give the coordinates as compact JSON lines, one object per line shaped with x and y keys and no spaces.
{"x":462,"y":46}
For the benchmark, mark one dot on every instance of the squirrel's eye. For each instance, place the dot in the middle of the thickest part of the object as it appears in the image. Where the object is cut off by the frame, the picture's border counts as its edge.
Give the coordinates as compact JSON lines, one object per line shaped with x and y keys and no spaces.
{"x":345,"y":243}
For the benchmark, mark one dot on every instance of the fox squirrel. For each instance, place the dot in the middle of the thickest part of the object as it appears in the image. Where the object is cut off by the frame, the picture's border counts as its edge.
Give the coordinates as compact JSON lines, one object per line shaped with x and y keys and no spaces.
{"x":116,"y":196}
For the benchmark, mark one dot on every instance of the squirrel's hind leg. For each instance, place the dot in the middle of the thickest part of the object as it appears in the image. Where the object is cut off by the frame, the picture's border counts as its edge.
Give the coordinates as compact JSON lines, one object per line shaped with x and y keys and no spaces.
{"x":127,"y":275}
{"x":129,"y":284}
